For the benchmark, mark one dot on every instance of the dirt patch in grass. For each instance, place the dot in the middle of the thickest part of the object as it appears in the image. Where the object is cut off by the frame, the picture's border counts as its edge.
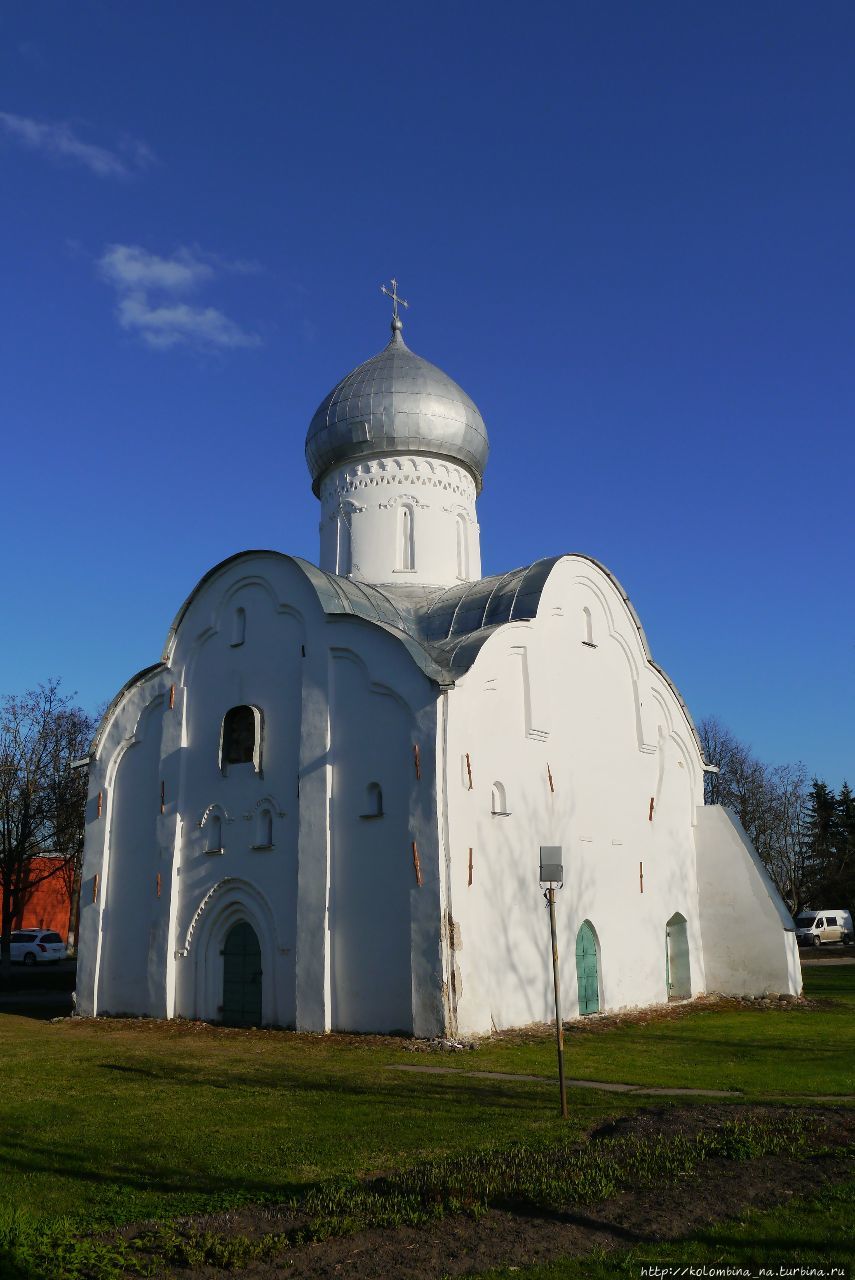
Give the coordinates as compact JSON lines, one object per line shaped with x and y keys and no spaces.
{"x":516,"y":1234}
{"x":182,"y":1028}
{"x":178,"y":1028}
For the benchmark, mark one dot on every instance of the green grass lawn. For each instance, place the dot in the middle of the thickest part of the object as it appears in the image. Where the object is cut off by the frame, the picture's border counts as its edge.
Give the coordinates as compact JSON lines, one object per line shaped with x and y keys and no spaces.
{"x":130,"y":1122}
{"x":761,"y":1053}
{"x":115,"y":1123}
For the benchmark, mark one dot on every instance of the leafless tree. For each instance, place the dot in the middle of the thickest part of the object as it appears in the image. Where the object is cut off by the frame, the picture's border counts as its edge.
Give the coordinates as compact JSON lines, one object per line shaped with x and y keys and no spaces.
{"x":770,"y":802}
{"x":41,"y":800}
{"x":782,"y":840}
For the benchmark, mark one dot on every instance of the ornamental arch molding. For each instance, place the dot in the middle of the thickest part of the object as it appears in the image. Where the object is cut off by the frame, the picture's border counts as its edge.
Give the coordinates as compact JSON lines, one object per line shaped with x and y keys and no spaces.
{"x":669,"y":732}
{"x":226,"y":892}
{"x":231,"y":901}
{"x":218,"y":616}
{"x":253,"y":580}
{"x":138,"y":734}
{"x":341,"y":654}
{"x":218,"y":809}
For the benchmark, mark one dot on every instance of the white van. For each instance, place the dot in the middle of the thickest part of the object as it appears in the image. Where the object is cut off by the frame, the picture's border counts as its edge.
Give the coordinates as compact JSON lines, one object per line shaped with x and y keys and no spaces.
{"x":815,"y":927}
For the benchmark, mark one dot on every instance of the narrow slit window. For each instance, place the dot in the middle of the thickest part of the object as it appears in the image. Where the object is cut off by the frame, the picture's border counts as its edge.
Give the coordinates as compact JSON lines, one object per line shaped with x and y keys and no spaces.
{"x":373,"y":801}
{"x":238,"y":627}
{"x":462,"y":549}
{"x":407,"y":555}
{"x":499,"y":801}
{"x":344,"y":559}
{"x":588,"y":627}
{"x":214,"y":834}
{"x":264,"y":830}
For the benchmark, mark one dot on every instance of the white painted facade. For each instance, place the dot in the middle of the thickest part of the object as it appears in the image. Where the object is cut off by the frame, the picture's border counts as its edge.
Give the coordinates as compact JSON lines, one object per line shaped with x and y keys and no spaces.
{"x":416,"y":734}
{"x":369,"y":513}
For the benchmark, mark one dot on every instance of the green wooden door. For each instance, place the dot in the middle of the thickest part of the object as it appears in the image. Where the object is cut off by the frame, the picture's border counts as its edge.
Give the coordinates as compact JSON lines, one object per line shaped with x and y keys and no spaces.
{"x":242,"y":977}
{"x":586,"y":970}
{"x":678,"y":976}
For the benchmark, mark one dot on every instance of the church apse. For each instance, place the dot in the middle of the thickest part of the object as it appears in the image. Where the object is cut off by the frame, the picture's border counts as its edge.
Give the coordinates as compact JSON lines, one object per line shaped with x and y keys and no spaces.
{"x":133,"y":863}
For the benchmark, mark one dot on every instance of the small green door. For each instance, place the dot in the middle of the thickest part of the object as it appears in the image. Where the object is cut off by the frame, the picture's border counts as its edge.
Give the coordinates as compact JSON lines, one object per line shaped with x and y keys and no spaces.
{"x":242,"y":977}
{"x":678,"y":976}
{"x":586,"y":970}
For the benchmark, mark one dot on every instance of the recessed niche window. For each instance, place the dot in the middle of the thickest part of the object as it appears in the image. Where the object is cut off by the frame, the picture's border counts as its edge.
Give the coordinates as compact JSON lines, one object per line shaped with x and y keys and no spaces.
{"x":238,"y":627}
{"x":241,"y":738}
{"x":499,"y":802}
{"x":407,"y":546}
{"x":373,"y":801}
{"x":588,"y":629}
{"x":344,"y":555}
{"x":264,"y":830}
{"x":462,"y":549}
{"x":214,"y":834}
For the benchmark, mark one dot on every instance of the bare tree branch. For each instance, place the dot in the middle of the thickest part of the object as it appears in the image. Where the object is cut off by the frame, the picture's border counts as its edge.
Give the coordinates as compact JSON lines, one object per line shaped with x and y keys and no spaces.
{"x":41,"y":801}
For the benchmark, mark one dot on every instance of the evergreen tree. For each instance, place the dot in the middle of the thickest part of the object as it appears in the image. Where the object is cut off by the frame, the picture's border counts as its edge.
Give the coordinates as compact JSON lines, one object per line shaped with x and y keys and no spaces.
{"x":843,"y":881}
{"x":823,"y":838}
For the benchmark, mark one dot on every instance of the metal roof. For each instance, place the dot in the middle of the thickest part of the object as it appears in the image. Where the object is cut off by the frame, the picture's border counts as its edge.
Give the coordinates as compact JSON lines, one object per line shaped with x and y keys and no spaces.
{"x":442,"y":630}
{"x":395,"y":403}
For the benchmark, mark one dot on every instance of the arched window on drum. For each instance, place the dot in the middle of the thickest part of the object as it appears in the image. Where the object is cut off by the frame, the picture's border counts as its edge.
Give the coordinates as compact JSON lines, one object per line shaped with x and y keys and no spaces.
{"x":406,"y":539}
{"x":344,"y":552}
{"x":462,"y":548}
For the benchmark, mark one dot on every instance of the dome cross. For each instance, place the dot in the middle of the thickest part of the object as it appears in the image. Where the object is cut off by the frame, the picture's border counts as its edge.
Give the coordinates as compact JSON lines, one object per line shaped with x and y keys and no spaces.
{"x":393,"y":294}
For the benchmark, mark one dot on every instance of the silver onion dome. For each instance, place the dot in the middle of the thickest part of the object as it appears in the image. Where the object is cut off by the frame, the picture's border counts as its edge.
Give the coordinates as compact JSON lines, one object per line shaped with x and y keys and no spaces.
{"x":396,"y":402}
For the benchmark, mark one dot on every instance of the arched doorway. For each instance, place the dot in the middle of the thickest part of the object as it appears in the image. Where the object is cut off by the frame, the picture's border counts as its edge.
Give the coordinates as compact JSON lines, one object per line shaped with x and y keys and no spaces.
{"x":586,"y":970}
{"x":678,"y":977}
{"x":242,"y":977}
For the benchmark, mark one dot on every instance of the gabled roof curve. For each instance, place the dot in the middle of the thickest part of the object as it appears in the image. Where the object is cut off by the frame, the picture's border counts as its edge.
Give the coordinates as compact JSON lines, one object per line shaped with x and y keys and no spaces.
{"x":443,"y":631}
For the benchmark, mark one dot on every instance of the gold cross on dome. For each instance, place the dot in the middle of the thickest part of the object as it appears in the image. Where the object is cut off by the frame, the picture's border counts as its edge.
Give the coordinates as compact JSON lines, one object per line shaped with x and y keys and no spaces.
{"x":393,"y":294}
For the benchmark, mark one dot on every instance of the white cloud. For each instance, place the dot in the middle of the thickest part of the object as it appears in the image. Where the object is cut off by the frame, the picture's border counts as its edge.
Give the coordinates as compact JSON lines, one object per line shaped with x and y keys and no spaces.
{"x":60,"y":142}
{"x":171,"y":323}
{"x":150,"y":291}
{"x":127,"y":266}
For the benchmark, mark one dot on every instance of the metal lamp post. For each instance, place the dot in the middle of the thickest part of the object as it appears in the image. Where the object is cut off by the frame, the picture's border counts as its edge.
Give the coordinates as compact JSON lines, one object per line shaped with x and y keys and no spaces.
{"x":552,"y":878}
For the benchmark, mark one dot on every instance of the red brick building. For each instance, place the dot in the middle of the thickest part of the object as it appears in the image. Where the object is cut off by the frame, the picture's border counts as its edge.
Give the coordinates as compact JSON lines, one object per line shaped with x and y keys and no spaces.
{"x":47,"y":904}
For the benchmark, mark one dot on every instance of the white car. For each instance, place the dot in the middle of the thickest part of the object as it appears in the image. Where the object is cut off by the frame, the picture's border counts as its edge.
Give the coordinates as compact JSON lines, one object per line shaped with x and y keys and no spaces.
{"x":34,"y":946}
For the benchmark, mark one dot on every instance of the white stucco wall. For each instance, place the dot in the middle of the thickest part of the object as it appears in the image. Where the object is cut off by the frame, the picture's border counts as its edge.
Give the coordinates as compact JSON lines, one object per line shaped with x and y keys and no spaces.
{"x":342,"y":704}
{"x":748,"y":934}
{"x":400,"y":520}
{"x":542,"y":698}
{"x":584,"y":734}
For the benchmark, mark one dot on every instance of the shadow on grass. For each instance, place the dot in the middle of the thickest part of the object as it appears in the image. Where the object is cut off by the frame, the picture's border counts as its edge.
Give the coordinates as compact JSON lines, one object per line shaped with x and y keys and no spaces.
{"x":40,"y":991}
{"x":819,"y":1250}
{"x":463,"y":1092}
{"x":41,"y":1009}
{"x":567,"y":1217}
{"x":28,"y":1158}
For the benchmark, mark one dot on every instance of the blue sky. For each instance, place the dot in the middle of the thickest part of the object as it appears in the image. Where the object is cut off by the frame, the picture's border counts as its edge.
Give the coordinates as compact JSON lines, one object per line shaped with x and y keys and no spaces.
{"x":624,"y":228}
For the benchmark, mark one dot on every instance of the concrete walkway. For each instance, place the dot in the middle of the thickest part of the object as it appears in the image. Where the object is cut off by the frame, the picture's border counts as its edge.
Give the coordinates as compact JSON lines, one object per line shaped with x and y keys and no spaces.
{"x":611,"y":1086}
{"x":608,"y":1086}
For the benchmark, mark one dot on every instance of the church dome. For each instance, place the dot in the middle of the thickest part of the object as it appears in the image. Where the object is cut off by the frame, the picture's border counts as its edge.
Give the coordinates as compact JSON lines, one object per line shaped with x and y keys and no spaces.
{"x":396,"y":403}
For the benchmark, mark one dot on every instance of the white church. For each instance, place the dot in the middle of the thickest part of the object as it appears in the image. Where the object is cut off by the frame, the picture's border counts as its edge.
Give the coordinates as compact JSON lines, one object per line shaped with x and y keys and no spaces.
{"x":323,"y":807}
